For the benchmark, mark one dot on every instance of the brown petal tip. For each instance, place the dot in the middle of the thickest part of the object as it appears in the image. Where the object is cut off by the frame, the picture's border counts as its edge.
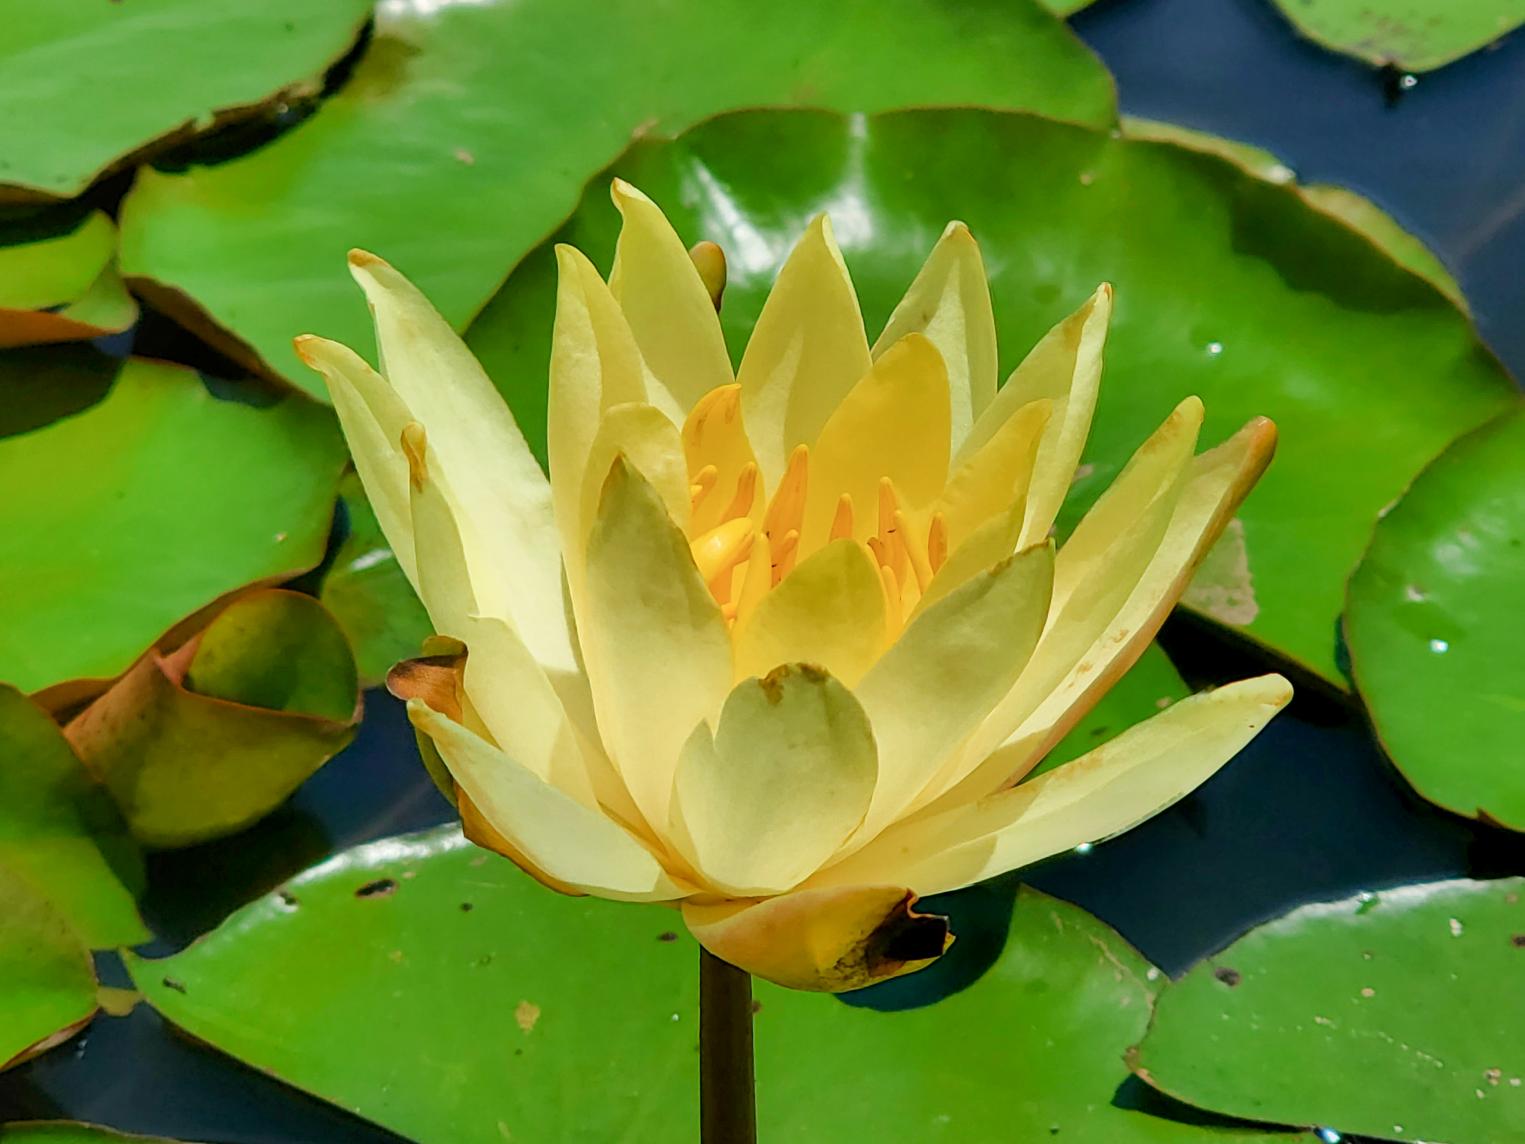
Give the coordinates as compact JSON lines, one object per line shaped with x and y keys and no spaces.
{"x":902,"y":943}
{"x":434,"y":679}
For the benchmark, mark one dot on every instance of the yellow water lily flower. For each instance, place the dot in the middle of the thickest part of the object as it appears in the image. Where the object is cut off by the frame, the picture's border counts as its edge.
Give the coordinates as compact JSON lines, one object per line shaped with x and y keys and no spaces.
{"x":778,"y":646}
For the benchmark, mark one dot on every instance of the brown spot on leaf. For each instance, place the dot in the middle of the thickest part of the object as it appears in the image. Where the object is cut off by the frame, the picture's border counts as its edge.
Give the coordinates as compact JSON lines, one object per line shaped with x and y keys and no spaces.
{"x":177,"y":986}
{"x":1518,"y":941}
{"x":1229,"y":977}
{"x":380,"y":888}
{"x":526,"y":1014}
{"x":667,"y":935}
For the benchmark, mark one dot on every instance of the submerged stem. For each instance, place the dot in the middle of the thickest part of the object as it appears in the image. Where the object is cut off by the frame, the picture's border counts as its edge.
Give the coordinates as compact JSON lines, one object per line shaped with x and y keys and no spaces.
{"x":727,"y":1102}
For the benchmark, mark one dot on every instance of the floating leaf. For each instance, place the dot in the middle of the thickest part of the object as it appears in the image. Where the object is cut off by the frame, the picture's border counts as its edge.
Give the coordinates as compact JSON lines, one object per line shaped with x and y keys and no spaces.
{"x":404,"y":161}
{"x":1436,"y":620}
{"x":141,"y":510}
{"x":202,"y":741}
{"x":1392,"y":1015}
{"x":1356,"y":211}
{"x":1415,"y":35}
{"x":366,"y":591}
{"x":58,"y":280}
{"x":59,"y":830}
{"x":70,"y":1132}
{"x":1227,"y":286}
{"x":433,"y":988}
{"x":89,"y":87}
{"x":47,"y":981}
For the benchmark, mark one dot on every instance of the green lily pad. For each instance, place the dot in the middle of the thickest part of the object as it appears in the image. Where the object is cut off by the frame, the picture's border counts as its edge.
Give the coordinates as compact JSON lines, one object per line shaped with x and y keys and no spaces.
{"x":58,"y":280}
{"x":1228,"y":286}
{"x":59,"y":829}
{"x":366,"y":591}
{"x":47,"y":980}
{"x":1392,"y":1015}
{"x":90,"y":87}
{"x":186,"y":497}
{"x":403,"y":161}
{"x":1435,"y":623}
{"x":431,"y":987}
{"x":70,"y":1132}
{"x":1415,"y":35}
{"x":201,"y":742}
{"x":1355,"y":210}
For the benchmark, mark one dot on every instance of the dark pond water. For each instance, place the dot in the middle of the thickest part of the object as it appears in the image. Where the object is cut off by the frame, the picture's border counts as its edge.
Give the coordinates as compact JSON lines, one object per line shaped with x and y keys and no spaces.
{"x":1311,"y":810}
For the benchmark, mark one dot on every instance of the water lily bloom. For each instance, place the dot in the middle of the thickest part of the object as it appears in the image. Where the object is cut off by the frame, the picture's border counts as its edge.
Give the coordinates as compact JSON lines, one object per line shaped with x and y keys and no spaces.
{"x":779,"y":646}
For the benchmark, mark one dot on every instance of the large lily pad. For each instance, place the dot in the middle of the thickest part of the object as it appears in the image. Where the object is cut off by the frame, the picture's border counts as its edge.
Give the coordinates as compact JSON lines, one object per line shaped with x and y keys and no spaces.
{"x":201,"y":741}
{"x":1228,"y":286}
{"x":1436,"y":620}
{"x":58,"y":279}
{"x":1393,"y":1015}
{"x":59,"y":829}
{"x":47,"y":981}
{"x":366,"y":591}
{"x":433,"y":988}
{"x":404,"y":161}
{"x":86,"y":87}
{"x":141,"y":510}
{"x":1415,"y":35}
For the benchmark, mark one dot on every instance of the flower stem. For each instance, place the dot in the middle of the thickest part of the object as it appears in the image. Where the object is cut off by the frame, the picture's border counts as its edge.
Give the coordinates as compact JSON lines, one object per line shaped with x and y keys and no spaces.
{"x":727,"y":1102}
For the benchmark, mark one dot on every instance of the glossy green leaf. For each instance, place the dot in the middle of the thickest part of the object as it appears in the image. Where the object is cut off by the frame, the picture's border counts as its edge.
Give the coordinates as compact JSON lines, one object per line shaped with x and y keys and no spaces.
{"x":202,"y":741}
{"x":433,"y":988}
{"x":85,"y":88}
{"x":47,"y":980}
{"x":405,"y":162}
{"x":58,"y":279}
{"x":185,"y":497}
{"x":70,"y":1132}
{"x":1356,"y":211}
{"x":1435,"y":622}
{"x":59,"y":829}
{"x":366,"y":591}
{"x":1415,"y":35}
{"x":1392,"y":1015}
{"x":1228,"y":286}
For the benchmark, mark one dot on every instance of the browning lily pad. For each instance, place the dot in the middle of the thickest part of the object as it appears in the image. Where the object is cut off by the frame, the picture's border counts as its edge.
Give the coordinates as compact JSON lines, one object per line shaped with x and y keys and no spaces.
{"x":47,"y":980}
{"x":433,"y":988}
{"x":58,"y":279}
{"x":1227,"y":286}
{"x":185,"y":497}
{"x":86,"y":88}
{"x":1415,"y":35}
{"x":1436,"y":620}
{"x":1391,"y":1015}
{"x":404,"y":161}
{"x":202,"y":741}
{"x":59,"y":829}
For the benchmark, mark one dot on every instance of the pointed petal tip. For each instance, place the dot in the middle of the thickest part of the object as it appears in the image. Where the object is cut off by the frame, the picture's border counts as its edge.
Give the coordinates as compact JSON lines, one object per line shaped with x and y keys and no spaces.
{"x":622,"y":192}
{"x":365,"y":260}
{"x":305,"y":345}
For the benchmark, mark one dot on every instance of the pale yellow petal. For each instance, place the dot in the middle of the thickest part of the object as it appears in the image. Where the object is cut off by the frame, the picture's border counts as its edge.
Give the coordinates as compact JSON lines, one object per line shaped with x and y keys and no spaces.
{"x":1066,"y":368}
{"x":644,"y":436}
{"x":829,"y":611}
{"x":995,"y":476}
{"x":949,"y":301}
{"x":806,"y":351}
{"x":827,"y":941}
{"x":657,"y":649}
{"x":595,"y":365}
{"x":569,"y":842}
{"x":666,"y":302}
{"x":947,"y":670}
{"x":508,"y":689}
{"x":894,"y":424}
{"x":373,"y":417}
{"x":493,"y":475}
{"x":986,"y":547}
{"x":1076,"y":672}
{"x":786,"y":777}
{"x":1103,"y":793}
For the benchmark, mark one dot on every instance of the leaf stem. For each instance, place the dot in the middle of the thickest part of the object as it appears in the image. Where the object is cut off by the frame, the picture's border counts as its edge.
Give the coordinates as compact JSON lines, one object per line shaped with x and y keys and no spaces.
{"x":727,"y":1100}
